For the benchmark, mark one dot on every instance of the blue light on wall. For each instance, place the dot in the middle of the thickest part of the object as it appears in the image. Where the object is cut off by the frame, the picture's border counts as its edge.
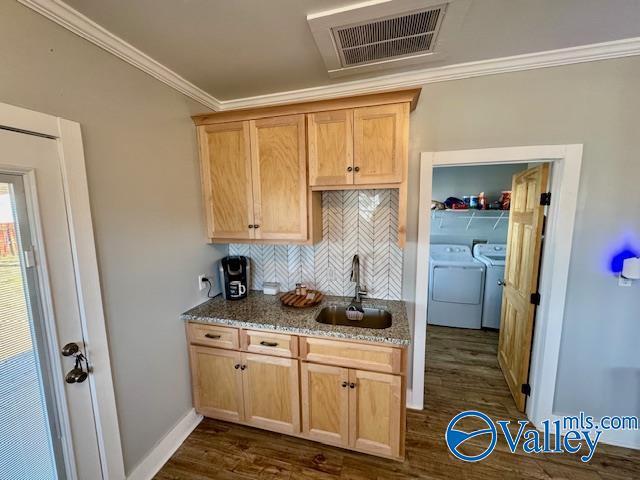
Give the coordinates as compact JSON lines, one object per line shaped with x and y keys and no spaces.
{"x":618,"y":259}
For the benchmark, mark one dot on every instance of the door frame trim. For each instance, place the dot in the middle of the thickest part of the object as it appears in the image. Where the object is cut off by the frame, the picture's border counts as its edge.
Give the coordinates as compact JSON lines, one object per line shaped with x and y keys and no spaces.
{"x":566,"y":161}
{"x":68,"y":136}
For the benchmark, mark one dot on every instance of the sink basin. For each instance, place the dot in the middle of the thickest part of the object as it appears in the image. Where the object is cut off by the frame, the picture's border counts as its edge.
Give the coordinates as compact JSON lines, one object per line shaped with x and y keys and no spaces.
{"x":373,"y":317}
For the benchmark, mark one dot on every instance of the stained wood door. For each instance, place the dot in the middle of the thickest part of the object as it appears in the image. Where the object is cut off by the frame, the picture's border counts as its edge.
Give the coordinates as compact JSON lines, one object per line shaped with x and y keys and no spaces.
{"x":271,"y":392}
{"x":524,"y":244}
{"x":217,"y":383}
{"x":279,"y":171}
{"x":375,"y":412}
{"x":330,"y":140}
{"x":325,"y":403}
{"x":225,"y":162}
{"x":381,"y":137}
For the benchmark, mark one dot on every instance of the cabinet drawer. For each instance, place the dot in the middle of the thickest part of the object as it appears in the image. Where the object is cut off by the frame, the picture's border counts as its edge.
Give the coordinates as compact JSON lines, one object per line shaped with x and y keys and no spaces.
{"x":214,"y":336}
{"x":278,"y":344}
{"x":380,"y":358}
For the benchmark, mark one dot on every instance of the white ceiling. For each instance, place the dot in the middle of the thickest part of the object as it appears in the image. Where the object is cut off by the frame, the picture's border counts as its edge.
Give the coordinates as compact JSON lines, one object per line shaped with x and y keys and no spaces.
{"x":242,"y":48}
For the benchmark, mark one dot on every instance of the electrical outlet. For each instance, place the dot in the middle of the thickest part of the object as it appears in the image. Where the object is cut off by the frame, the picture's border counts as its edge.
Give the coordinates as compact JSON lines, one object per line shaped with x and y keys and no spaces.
{"x":202,"y":284}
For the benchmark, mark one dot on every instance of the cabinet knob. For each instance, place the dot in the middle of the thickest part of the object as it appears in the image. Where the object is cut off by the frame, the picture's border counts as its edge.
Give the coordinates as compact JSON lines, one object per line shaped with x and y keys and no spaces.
{"x":357,"y":169}
{"x":345,"y":384}
{"x":250,"y":226}
{"x":349,"y":169}
{"x":243,"y":367}
{"x":256,"y":226}
{"x":236,"y":366}
{"x":352,"y":385}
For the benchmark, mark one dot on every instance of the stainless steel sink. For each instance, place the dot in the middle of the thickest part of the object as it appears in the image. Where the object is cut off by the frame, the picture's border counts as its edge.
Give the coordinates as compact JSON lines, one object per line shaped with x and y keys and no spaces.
{"x":373,"y":317}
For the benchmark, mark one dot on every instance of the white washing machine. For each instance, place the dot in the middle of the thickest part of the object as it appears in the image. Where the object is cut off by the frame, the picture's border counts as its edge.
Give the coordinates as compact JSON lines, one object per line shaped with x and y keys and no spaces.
{"x":456,"y":287}
{"x":493,"y":255}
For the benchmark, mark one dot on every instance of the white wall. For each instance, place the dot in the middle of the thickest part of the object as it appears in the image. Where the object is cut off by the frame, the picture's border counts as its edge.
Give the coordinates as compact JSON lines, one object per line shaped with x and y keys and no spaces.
{"x":144,"y":189}
{"x":596,"y":104}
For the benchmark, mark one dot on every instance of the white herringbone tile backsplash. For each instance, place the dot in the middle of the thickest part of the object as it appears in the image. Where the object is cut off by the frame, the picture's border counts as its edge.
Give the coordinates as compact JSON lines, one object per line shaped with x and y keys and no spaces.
{"x":353,"y":221}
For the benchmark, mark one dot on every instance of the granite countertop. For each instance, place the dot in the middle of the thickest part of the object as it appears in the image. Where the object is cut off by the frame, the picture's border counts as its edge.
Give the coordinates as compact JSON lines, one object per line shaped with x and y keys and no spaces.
{"x":260,"y":311}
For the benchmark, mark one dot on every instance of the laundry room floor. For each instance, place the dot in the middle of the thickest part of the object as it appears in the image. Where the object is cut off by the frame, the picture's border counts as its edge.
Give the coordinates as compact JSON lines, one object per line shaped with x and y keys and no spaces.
{"x":462,"y":373}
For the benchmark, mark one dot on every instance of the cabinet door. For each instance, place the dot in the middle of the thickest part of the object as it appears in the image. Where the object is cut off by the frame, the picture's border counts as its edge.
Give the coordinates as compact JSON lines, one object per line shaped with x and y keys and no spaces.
{"x":225,"y":161}
{"x":216,"y":380}
{"x":375,"y":396}
{"x":325,"y":403}
{"x":330,"y":140}
{"x":271,"y":392}
{"x":279,"y":171}
{"x":380,"y":145}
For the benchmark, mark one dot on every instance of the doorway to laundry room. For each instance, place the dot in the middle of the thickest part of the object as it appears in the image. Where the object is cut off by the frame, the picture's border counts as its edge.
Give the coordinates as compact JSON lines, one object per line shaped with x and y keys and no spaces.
{"x":487,"y":228}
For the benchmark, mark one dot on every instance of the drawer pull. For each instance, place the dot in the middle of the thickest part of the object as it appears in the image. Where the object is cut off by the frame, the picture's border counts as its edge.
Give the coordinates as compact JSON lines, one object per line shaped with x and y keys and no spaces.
{"x":212,"y":335}
{"x":268,"y":344}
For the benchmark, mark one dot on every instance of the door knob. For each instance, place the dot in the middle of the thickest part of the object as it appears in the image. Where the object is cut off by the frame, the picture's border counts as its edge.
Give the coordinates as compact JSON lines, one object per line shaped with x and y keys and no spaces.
{"x":76,"y":374}
{"x":70,"y":349}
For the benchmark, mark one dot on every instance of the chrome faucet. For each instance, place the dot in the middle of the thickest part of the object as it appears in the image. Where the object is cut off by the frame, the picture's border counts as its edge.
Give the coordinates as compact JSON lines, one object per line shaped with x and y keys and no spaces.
{"x":355,"y":277}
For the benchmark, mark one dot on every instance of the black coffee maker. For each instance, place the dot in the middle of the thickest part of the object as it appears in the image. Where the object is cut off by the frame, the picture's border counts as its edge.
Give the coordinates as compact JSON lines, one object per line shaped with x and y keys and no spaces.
{"x":234,"y":277}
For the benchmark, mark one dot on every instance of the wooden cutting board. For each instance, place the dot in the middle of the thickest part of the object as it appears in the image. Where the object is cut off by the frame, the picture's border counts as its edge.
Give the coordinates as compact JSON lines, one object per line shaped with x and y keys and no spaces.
{"x":290,"y":299}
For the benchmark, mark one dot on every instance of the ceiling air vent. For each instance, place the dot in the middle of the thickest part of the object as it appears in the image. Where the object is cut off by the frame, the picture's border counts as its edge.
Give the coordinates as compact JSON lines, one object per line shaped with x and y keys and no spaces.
{"x":382,"y":34}
{"x":388,"y":38}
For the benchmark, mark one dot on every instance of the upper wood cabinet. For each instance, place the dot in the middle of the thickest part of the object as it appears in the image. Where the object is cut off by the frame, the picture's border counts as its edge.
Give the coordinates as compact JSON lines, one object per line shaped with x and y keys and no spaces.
{"x":254,"y":180}
{"x":360,"y":146}
{"x":330,"y":137}
{"x":380,"y":143}
{"x":279,"y":172}
{"x":225,"y":154}
{"x":263,"y":168}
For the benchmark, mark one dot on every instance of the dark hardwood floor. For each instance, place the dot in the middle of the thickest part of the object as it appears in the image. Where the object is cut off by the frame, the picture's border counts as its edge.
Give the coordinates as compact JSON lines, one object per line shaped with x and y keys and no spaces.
{"x":462,"y":373}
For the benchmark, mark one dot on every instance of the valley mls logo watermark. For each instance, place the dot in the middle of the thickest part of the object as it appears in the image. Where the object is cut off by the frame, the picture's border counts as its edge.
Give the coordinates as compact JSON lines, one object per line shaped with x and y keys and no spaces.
{"x":571,"y":433}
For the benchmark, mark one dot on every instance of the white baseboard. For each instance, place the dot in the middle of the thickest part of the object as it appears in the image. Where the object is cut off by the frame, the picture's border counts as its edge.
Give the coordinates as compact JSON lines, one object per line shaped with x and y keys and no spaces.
{"x":162,"y":452}
{"x":622,"y":438}
{"x":411,"y":403}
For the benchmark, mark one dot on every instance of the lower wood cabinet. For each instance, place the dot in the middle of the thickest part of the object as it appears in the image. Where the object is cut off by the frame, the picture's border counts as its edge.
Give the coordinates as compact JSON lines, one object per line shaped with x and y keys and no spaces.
{"x":341,"y":402}
{"x":375,"y":412}
{"x":352,"y":408}
{"x":258,"y":390}
{"x":271,"y":392}
{"x":217,"y":382}
{"x":325,"y":403}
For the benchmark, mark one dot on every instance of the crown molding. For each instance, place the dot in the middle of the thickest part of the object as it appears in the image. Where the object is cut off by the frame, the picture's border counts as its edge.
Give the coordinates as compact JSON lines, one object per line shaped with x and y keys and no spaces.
{"x":81,"y":25}
{"x":551,"y":58}
{"x":72,"y":20}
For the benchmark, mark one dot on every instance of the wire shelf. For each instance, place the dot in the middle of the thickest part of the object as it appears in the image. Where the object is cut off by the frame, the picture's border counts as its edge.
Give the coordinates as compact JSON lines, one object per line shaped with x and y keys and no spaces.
{"x":470,"y":216}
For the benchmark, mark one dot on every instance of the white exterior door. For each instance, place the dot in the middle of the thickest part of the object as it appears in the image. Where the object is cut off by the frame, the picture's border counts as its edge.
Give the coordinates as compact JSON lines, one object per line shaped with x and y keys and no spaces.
{"x":49,"y":431}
